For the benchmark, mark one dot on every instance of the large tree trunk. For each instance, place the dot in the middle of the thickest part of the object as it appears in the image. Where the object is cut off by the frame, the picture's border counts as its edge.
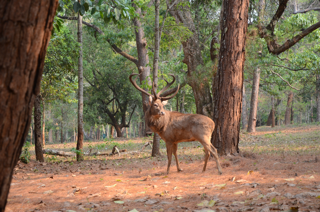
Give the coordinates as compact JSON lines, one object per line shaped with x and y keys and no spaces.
{"x":37,"y":126}
{"x":244,"y":109}
{"x":254,"y":101}
{"x":318,"y":97}
{"x":143,"y":59}
{"x":25,"y":29}
{"x":118,"y":130}
{"x":80,"y":93}
{"x":288,"y":109}
{"x":229,"y":84}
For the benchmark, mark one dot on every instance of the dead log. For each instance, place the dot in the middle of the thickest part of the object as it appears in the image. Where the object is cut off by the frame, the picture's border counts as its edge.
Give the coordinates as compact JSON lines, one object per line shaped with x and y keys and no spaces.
{"x":57,"y":152}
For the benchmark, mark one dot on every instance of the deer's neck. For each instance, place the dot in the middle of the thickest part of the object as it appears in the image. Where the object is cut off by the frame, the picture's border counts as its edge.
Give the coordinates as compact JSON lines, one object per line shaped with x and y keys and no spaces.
{"x":158,"y":123}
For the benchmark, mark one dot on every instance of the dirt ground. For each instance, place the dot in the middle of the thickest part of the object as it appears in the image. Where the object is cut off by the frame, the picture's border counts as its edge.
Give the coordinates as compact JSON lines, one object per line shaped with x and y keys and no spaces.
{"x":256,"y":180}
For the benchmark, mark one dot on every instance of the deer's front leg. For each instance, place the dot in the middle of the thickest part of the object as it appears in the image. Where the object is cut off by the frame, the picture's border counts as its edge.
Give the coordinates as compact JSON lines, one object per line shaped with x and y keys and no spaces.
{"x":175,"y":148}
{"x":169,"y":155}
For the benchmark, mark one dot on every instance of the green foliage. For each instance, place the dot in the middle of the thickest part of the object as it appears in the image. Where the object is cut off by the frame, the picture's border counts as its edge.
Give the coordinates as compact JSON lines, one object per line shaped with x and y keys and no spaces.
{"x":25,"y":155}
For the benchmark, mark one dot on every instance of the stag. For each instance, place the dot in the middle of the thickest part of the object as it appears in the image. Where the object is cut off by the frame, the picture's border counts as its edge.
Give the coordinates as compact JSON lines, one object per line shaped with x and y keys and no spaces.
{"x":174,"y":127}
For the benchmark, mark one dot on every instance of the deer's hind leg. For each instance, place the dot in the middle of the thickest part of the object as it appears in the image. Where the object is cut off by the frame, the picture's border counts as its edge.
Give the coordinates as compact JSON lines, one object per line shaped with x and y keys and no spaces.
{"x":209,"y":148}
{"x":206,"y":158}
{"x":175,"y":148}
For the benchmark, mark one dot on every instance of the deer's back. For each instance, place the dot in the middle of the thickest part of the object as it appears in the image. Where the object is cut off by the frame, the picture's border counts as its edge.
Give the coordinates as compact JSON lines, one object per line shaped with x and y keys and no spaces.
{"x":187,"y":127}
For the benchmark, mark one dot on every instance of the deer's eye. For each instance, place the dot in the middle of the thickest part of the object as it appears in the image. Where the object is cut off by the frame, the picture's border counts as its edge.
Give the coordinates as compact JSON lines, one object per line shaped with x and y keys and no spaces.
{"x":156,"y":105}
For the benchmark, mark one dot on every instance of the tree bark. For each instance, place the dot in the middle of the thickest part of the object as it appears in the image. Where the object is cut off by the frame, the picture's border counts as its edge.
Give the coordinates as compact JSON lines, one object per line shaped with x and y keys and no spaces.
{"x":111,"y":131}
{"x":244,"y":109}
{"x":156,"y":138}
{"x":25,"y":30}
{"x":37,"y":125}
{"x":254,"y":101}
{"x":50,"y":136}
{"x":31,"y":133}
{"x":273,"y":121}
{"x":288,"y":109}
{"x":118,"y":130}
{"x":43,"y":125}
{"x":318,"y":96}
{"x":311,"y":111}
{"x":80,"y":93}
{"x":229,"y":84}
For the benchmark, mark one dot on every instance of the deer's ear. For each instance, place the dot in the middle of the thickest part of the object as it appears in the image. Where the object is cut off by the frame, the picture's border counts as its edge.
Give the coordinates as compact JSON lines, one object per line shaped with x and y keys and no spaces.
{"x":150,"y":99}
{"x":164,"y":103}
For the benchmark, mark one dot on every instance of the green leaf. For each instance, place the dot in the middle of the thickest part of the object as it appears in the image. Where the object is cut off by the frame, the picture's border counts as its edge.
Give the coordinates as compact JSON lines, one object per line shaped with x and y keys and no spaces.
{"x":86,"y":6}
{"x":99,"y":3}
{"x":117,"y":14}
{"x":101,"y":14}
{"x":82,"y":2}
{"x":76,"y":7}
{"x":82,"y":10}
{"x":107,"y":19}
{"x":93,"y":11}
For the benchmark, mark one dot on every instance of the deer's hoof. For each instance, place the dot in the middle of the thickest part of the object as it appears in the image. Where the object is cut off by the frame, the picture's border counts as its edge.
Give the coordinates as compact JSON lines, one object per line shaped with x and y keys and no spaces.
{"x":180,"y":170}
{"x":220,"y":173}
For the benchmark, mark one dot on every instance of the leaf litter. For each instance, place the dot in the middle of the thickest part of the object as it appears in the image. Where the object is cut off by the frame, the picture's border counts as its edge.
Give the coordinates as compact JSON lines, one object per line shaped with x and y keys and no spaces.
{"x":290,"y":183}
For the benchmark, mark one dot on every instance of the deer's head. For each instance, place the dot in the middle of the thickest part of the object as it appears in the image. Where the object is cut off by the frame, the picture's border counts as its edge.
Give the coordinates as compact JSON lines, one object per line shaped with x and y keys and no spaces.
{"x":156,"y":100}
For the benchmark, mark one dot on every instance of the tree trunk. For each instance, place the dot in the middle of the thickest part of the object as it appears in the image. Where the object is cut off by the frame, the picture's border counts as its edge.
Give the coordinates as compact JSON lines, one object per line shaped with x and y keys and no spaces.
{"x":111,"y":131}
{"x":107,"y":131}
{"x":143,"y":58}
{"x":37,"y":127}
{"x":50,"y":136}
{"x":273,"y":121}
{"x":311,"y":111}
{"x":156,"y":137}
{"x":229,"y":84}
{"x":80,"y":93}
{"x":196,"y":75}
{"x":25,"y":30}
{"x":244,"y":109}
{"x":61,"y":133}
{"x":31,"y":133}
{"x":118,"y":130}
{"x":254,"y":101}
{"x":288,"y":110}
{"x":318,"y":96}
{"x":43,"y":125}
{"x":183,"y":93}
{"x":56,"y":136}
{"x":91,"y":130}
{"x":134,"y":130}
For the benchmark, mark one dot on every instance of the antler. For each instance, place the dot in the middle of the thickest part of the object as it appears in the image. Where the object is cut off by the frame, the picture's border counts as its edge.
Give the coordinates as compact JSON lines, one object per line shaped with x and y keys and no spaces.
{"x":168,"y":84}
{"x":169,"y":97}
{"x":134,"y":83}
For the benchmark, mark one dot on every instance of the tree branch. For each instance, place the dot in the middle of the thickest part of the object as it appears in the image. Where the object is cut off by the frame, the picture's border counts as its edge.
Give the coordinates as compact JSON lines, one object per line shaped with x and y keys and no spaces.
{"x":277,"y":16}
{"x":307,"y":10}
{"x":291,"y":69}
{"x":114,"y":47}
{"x":284,"y":80}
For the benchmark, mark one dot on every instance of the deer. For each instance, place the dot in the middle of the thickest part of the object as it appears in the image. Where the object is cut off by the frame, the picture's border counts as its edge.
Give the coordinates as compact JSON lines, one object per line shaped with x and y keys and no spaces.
{"x":175,"y":127}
